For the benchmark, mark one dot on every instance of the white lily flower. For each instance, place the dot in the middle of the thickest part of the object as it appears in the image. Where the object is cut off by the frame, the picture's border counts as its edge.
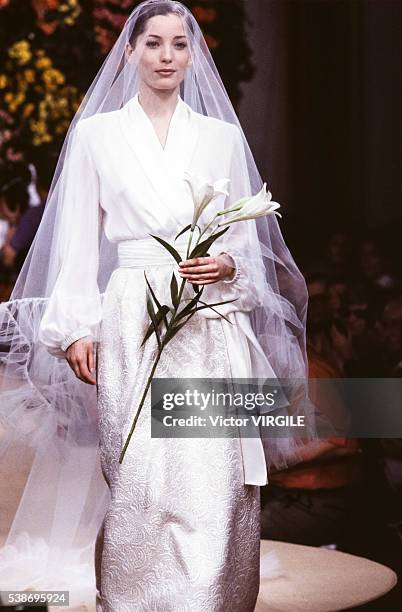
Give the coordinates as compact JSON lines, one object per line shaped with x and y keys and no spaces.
{"x":259,"y":205}
{"x":204,"y":192}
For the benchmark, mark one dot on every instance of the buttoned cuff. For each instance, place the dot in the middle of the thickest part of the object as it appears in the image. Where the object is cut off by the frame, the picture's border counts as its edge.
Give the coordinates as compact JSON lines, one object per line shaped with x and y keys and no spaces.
{"x":77,"y":335}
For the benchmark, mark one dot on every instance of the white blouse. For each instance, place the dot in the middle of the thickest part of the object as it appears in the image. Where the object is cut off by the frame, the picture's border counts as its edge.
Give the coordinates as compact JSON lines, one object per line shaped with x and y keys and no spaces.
{"x":121,"y":179}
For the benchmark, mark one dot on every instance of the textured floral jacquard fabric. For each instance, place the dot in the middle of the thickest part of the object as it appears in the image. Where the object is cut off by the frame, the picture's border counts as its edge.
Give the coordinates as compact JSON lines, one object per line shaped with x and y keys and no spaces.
{"x":182,"y":530}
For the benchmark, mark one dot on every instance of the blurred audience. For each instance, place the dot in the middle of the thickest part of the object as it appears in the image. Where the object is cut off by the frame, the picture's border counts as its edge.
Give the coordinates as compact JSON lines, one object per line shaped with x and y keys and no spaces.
{"x":347,"y":493}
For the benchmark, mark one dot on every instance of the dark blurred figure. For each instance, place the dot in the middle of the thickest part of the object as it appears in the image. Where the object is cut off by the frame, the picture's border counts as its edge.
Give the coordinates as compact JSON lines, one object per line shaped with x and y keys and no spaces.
{"x":390,"y":330}
{"x":17,"y":246}
{"x":311,"y":503}
{"x":376,"y":274}
{"x":337,"y":293}
{"x":330,"y":256}
{"x":338,"y":254}
{"x":14,"y":202}
{"x":327,"y":331}
{"x":366,"y":359}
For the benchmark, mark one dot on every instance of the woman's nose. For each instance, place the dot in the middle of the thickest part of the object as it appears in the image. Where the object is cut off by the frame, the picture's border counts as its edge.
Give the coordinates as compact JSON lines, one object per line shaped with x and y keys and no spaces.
{"x":166,"y":54}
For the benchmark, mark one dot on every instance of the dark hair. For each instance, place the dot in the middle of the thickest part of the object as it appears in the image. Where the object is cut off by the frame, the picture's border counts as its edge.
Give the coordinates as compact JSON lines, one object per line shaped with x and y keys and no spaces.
{"x":45,"y":169}
{"x":161,"y":8}
{"x":15,"y":192}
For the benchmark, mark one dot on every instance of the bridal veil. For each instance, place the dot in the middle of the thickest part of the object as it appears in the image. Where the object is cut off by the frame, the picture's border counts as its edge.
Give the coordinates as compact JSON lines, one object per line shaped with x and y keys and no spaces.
{"x":44,"y":408}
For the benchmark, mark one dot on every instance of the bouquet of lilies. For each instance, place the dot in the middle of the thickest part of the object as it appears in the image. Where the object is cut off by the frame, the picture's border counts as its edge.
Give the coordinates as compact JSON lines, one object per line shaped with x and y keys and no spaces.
{"x":166,"y":321}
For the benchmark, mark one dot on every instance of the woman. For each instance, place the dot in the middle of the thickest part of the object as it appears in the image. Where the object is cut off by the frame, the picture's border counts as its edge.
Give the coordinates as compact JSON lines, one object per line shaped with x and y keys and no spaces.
{"x":180,"y":528}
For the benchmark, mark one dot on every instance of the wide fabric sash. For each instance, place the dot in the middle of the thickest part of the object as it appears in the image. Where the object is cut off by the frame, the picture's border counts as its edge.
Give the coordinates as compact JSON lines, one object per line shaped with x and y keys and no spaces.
{"x":147,"y":252}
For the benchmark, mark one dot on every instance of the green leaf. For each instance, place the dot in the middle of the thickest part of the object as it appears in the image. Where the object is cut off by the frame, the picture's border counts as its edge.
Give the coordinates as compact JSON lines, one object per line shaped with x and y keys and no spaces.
{"x":189,"y":306}
{"x":173,"y":331}
{"x":174,"y":291}
{"x":152,"y":293}
{"x":216,"y":304}
{"x":198,"y":288}
{"x":169,"y":248}
{"x":160,"y":315}
{"x":200,"y":249}
{"x":183,"y":231}
{"x":152,"y":315}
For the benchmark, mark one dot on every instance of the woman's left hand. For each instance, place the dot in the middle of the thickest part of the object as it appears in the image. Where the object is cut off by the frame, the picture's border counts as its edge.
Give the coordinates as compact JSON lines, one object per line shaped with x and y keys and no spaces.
{"x":207,"y":270}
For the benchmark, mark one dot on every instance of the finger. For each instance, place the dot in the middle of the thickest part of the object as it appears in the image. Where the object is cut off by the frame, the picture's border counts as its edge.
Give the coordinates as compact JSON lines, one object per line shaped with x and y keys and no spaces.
{"x":73,"y":367}
{"x":210,"y":276}
{"x":196,"y":261}
{"x":208,"y":265}
{"x":85,"y":374}
{"x":91,"y":359}
{"x":204,"y":282}
{"x":77,"y":371}
{"x":200,"y":270}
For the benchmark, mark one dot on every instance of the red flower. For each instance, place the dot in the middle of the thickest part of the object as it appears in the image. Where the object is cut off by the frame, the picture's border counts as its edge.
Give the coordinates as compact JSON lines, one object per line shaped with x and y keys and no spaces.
{"x":204,"y":15}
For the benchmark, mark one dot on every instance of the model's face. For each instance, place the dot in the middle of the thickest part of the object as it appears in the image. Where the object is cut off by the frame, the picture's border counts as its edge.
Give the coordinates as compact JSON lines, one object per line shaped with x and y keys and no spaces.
{"x":163,"y":51}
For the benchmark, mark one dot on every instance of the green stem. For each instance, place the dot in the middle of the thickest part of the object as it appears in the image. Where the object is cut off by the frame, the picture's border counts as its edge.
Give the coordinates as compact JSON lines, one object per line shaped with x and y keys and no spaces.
{"x":207,"y":227}
{"x":158,"y":356}
{"x":127,"y":442}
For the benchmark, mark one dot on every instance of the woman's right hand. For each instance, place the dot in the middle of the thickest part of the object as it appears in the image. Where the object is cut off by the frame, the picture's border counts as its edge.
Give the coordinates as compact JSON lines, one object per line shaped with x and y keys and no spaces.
{"x":80,"y":357}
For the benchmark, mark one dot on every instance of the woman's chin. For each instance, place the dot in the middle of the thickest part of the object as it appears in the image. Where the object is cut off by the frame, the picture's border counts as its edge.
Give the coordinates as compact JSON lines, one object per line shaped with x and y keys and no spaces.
{"x":166,"y":84}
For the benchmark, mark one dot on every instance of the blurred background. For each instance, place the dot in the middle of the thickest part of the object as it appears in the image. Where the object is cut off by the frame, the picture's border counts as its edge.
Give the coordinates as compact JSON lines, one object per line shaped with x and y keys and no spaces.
{"x":315,"y":84}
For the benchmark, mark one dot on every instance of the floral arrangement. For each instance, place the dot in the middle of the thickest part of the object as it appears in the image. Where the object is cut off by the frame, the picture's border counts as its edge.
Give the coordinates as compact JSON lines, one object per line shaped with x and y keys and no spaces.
{"x":36,"y":94}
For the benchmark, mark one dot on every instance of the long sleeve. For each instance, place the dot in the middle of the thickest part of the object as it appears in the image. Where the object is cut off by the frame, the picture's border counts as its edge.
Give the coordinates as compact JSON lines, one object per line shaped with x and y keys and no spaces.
{"x":74,"y":306}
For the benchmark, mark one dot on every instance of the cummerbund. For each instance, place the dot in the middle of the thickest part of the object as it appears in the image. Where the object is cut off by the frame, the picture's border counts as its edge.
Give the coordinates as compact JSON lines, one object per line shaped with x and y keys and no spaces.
{"x":147,"y":252}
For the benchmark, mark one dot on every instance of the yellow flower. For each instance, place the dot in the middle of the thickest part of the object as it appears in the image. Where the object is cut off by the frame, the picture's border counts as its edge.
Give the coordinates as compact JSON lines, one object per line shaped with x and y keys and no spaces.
{"x":42,"y":109}
{"x":19,"y":98}
{"x":43,"y":63}
{"x":9,"y":97}
{"x":28,"y":110}
{"x":19,"y":47}
{"x":21,"y":52}
{"x":39,"y":127}
{"x":29,"y":76}
{"x":53,"y":77}
{"x":3,"y":81}
{"x":22,"y":85}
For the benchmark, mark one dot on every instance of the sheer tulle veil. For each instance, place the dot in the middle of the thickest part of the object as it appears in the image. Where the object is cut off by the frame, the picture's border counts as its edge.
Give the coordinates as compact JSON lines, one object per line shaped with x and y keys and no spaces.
{"x":49,"y":416}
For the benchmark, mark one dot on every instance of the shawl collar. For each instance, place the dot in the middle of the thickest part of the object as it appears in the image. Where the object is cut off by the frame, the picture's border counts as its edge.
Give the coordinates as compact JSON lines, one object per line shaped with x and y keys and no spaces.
{"x":164,"y":167}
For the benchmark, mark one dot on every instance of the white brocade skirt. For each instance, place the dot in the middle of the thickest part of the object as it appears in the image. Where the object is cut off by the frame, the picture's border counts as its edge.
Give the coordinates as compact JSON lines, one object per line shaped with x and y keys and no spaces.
{"x":182,"y":532}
